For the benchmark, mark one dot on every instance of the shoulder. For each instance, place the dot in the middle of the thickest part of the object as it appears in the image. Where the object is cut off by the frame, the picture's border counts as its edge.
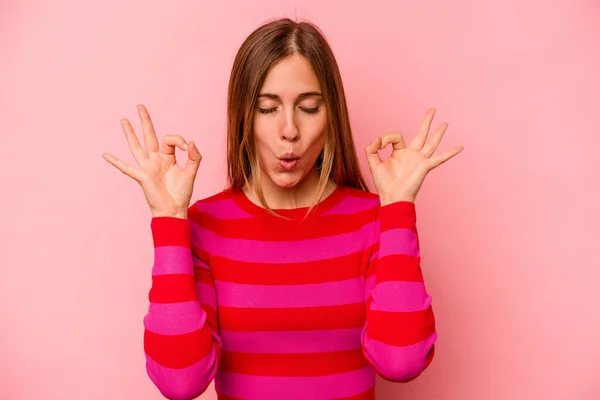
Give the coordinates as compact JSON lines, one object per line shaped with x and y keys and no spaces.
{"x":355,"y":201}
{"x":210,"y":202}
{"x":362,"y":194}
{"x":361,"y":198}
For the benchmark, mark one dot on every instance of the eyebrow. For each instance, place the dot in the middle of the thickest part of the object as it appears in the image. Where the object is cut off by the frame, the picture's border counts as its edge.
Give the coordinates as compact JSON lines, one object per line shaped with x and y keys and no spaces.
{"x":300,"y":96}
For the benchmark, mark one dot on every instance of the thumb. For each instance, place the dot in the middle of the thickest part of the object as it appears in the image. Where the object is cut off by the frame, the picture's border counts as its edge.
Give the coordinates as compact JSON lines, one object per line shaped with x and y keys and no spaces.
{"x":372,"y":153}
{"x":193,"y":161}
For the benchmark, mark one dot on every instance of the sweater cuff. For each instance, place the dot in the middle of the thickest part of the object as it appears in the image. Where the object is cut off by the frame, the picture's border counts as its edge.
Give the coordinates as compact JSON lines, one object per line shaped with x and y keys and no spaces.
{"x":401,"y":214}
{"x":170,"y":231}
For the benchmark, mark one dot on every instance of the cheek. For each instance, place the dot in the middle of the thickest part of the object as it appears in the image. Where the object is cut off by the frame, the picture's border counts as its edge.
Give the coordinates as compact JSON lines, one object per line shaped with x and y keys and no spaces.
{"x":260,"y":134}
{"x":265,"y":130}
{"x":315,"y":123}
{"x":263,"y":150}
{"x":318,"y":136}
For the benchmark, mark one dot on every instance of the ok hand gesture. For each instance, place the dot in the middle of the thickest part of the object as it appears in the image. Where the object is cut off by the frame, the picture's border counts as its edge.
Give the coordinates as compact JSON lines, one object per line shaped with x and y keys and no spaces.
{"x":399,"y":178}
{"x":167,"y":187}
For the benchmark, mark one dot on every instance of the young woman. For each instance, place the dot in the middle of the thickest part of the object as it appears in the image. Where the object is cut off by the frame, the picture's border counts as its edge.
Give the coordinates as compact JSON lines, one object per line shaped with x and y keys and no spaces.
{"x":295,"y":282}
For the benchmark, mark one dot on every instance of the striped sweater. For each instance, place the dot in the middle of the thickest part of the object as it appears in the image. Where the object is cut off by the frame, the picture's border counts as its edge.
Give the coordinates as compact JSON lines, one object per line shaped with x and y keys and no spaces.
{"x":287,"y":309}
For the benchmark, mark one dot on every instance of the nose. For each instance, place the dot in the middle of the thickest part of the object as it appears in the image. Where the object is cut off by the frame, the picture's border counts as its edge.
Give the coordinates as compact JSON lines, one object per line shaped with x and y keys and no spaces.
{"x":290,"y":131}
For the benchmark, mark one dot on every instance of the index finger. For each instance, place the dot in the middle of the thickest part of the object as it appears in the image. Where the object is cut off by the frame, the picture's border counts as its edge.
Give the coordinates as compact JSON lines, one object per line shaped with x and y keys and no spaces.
{"x":150,"y":140}
{"x":396,"y":139}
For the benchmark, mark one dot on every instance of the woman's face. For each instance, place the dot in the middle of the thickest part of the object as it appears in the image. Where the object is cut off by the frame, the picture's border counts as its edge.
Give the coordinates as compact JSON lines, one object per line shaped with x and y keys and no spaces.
{"x":290,"y":122}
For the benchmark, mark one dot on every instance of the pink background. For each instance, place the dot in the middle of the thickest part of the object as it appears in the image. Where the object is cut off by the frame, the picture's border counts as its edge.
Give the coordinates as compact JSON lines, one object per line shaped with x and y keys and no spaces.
{"x":509,"y":228}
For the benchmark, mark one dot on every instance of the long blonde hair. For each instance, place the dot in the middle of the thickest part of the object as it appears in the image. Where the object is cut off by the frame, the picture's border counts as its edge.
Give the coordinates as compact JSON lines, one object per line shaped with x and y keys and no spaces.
{"x":267,"y":45}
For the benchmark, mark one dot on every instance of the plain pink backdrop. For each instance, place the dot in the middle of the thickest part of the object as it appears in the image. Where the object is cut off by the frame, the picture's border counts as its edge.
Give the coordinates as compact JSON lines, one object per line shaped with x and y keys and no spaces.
{"x":509,"y":228}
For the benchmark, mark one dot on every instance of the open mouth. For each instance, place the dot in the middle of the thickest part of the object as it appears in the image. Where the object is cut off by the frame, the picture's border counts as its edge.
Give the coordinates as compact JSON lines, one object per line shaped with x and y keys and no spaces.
{"x":288,"y":163}
{"x":289,"y":160}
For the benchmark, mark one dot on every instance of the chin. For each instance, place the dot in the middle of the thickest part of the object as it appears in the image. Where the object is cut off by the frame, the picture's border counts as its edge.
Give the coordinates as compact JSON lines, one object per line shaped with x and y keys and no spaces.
{"x":286,"y":180}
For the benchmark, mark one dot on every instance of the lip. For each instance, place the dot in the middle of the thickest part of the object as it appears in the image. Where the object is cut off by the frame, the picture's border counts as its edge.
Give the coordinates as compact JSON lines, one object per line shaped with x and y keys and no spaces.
{"x":289,"y":156}
{"x":288,"y":164}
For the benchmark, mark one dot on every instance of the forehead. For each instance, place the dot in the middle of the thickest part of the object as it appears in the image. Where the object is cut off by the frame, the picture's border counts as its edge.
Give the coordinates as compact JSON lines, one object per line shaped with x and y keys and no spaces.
{"x":291,"y":76}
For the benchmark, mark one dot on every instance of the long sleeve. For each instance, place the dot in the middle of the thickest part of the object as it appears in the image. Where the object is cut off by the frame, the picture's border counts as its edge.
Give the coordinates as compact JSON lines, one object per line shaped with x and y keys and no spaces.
{"x":399,"y":336}
{"x":181,"y":341}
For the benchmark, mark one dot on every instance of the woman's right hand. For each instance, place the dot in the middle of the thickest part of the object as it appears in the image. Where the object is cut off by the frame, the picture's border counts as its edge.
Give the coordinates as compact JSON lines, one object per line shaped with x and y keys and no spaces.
{"x":167,"y":187}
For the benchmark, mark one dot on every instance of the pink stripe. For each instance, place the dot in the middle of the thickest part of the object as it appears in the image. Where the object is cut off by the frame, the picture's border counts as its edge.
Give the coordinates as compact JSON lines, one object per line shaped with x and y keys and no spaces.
{"x":172,"y":260}
{"x":186,"y":383}
{"x":174,"y":318}
{"x":398,"y":363}
{"x":398,"y":241}
{"x":369,"y":285}
{"x":295,"y":388}
{"x":351,"y":205}
{"x":223,"y":209}
{"x":297,"y":342}
{"x":400,"y":297}
{"x":349,"y":291}
{"x":206,"y":294}
{"x":275,"y":252}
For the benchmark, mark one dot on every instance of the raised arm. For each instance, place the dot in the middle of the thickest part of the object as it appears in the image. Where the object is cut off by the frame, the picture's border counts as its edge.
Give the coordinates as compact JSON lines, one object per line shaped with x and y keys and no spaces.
{"x":399,"y":336}
{"x":180,"y":338}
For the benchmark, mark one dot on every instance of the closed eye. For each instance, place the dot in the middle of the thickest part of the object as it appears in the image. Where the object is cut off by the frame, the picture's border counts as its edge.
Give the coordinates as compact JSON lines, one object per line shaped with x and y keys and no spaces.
{"x":272,"y":110}
{"x":310,"y":110}
{"x":266,"y":110}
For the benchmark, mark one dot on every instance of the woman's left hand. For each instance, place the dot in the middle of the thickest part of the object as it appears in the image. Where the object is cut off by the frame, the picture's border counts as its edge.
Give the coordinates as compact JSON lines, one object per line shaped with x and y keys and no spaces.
{"x":400,"y":177}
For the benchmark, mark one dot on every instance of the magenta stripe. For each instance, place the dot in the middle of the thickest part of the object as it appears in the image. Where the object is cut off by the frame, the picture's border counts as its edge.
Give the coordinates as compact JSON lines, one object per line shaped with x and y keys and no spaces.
{"x":281,"y":296}
{"x":185,"y":383}
{"x":398,"y":241}
{"x":206,"y":294}
{"x":172,"y":260}
{"x":174,"y":318}
{"x":398,"y":362}
{"x":396,"y":296}
{"x":276,"y":252}
{"x":351,"y":205}
{"x":295,"y":388}
{"x":297,"y":342}
{"x":223,"y":209}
